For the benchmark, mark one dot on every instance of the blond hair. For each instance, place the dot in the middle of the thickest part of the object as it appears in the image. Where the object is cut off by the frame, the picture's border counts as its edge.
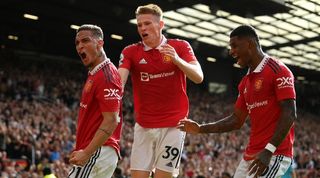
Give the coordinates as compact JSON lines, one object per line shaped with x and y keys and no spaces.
{"x":150,"y":9}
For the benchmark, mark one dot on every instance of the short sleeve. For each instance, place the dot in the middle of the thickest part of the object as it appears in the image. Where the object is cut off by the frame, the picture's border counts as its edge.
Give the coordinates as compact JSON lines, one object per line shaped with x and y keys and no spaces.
{"x":284,"y":84}
{"x":109,"y":94}
{"x":185,"y":51}
{"x":125,"y":58}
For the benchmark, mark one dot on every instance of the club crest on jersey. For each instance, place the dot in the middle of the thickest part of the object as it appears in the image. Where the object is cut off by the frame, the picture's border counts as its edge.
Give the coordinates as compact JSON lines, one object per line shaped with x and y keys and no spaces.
{"x":258,"y":84}
{"x":166,"y":59}
{"x":88,"y":86}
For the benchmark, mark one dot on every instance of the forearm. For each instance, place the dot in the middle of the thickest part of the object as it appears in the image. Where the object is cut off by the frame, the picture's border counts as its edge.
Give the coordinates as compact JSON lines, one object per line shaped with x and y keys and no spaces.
{"x":102,"y":134}
{"x":124,"y":73}
{"x":226,"y":124}
{"x":192,"y":70}
{"x":286,"y":120}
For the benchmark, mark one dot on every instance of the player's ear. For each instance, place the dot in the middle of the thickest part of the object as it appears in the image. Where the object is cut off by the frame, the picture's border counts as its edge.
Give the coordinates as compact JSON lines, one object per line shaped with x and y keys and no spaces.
{"x":161,"y":24}
{"x":252,"y":42}
{"x":100,"y":43}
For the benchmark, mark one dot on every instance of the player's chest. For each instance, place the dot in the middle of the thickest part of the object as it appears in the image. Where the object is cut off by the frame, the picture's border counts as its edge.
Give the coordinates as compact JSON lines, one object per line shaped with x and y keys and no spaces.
{"x":257,"y":88}
{"x":153,"y":61}
{"x":88,"y":91}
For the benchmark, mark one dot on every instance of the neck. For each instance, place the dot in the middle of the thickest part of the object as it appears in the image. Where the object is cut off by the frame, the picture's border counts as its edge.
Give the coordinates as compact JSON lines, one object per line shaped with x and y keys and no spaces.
{"x":156,"y":43}
{"x":256,"y":59}
{"x":99,"y":59}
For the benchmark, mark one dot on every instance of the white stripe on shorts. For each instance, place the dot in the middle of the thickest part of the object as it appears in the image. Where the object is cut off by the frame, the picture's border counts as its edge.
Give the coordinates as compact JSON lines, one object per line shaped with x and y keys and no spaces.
{"x":271,"y":173}
{"x":277,"y":167}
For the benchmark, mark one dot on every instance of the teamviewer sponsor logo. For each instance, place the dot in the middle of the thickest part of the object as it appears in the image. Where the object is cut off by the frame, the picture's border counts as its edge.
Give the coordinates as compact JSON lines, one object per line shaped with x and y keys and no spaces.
{"x":256,"y":105}
{"x":144,"y":76}
{"x":284,"y":82}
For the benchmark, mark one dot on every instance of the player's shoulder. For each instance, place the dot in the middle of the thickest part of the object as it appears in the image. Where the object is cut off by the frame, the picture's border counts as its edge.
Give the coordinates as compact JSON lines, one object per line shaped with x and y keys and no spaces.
{"x":133,"y":46}
{"x":177,"y":41}
{"x":276,"y":65}
{"x":108,"y":74}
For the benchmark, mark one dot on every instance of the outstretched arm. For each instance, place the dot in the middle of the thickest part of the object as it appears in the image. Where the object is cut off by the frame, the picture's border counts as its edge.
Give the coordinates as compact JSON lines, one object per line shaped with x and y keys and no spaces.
{"x":229,"y":123}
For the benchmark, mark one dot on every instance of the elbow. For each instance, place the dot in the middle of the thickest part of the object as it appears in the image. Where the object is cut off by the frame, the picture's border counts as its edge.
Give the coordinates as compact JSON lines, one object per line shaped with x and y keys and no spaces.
{"x":238,"y":121}
{"x":198,"y":79}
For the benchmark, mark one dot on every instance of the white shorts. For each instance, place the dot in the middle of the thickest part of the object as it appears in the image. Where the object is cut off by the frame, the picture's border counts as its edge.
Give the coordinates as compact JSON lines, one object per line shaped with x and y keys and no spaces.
{"x":278,"y":166}
{"x":101,"y":165}
{"x":158,"y":148}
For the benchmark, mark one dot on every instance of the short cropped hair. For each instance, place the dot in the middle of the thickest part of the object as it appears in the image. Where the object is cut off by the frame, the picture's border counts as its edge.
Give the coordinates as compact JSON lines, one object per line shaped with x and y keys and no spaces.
{"x":95,"y":30}
{"x":245,"y":31}
{"x":150,"y":9}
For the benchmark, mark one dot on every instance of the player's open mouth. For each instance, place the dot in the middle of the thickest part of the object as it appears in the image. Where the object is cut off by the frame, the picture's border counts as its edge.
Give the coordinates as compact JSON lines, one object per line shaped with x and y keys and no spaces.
{"x":83,"y":55}
{"x":144,"y":35}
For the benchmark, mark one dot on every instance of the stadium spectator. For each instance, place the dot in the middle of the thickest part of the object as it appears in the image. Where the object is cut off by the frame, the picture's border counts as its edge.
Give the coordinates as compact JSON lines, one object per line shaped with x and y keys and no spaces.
{"x":47,"y":173}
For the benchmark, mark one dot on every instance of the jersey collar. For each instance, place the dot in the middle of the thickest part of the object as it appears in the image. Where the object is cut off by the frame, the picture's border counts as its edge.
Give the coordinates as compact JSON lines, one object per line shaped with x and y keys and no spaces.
{"x":261,"y":65}
{"x":163,"y":41}
{"x":99,"y":66}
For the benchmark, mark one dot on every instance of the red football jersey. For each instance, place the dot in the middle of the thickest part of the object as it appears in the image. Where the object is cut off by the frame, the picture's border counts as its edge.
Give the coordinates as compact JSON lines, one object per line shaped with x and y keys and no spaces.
{"x":159,"y":86}
{"x":260,"y":92}
{"x":102,"y":92}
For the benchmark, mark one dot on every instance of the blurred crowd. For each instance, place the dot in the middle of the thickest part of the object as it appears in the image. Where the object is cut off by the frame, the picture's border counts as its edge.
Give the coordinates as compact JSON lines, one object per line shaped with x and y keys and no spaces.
{"x":39,"y":100}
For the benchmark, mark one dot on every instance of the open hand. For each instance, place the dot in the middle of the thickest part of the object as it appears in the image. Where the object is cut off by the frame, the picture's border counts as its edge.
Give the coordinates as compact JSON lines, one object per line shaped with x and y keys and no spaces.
{"x":260,"y":164}
{"x":189,"y":126}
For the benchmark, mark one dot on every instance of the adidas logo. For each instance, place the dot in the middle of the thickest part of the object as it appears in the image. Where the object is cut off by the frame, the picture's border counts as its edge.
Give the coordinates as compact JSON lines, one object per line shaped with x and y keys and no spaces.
{"x":169,"y":164}
{"x":142,"y":61}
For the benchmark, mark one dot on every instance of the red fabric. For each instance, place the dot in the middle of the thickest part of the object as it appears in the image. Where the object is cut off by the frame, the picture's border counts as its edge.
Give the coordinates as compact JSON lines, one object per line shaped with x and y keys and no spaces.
{"x":101,"y":93}
{"x":159,"y":86}
{"x":259,"y":95}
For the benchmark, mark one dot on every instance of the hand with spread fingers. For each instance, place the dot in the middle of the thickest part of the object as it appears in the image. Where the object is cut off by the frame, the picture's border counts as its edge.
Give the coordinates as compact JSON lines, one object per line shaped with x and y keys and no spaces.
{"x":189,"y":126}
{"x":260,"y":164}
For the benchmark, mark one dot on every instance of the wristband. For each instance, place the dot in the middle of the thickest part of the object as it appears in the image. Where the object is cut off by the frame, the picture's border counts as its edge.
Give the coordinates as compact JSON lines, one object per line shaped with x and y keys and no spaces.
{"x":270,"y":147}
